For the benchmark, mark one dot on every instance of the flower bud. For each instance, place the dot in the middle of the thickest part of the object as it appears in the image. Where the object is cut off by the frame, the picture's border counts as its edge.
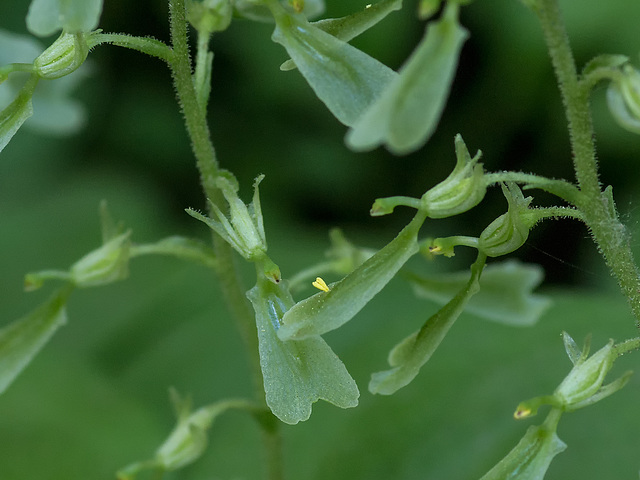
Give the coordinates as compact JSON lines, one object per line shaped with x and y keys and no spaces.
{"x":105,"y":265}
{"x":623,"y":98}
{"x":462,"y":190}
{"x":583,"y":385}
{"x":64,"y":56}
{"x":188,"y":440}
{"x":210,"y":16}
{"x":586,"y":377}
{"x":509,"y":231}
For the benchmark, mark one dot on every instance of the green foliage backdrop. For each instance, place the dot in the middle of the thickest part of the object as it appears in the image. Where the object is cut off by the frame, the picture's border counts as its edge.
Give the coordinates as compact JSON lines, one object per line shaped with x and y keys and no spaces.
{"x":96,"y":398}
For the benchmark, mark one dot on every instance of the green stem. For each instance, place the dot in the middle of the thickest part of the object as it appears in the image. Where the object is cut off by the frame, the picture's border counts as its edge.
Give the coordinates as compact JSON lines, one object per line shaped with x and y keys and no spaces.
{"x":599,"y":213}
{"x":149,"y":46}
{"x":229,"y":277}
{"x":560,"y":188}
{"x":627,"y":346}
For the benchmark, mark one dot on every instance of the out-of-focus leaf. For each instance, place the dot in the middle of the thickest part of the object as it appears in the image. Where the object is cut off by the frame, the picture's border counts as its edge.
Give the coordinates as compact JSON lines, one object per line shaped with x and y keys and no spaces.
{"x":47,"y":17}
{"x":408,"y":112}
{"x":22,"y":340}
{"x":252,"y":11}
{"x":505,"y":294}
{"x":346,"y":79}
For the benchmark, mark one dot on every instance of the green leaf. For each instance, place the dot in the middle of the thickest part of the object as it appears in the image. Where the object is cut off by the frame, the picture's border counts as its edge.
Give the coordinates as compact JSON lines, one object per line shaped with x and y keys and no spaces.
{"x":346,"y":79}
{"x":21,"y":340}
{"x":326,"y":311}
{"x":47,"y":17}
{"x":505,"y":292}
{"x":296,"y":373}
{"x":407,"y":113}
{"x":408,"y":356}
{"x":349,"y":27}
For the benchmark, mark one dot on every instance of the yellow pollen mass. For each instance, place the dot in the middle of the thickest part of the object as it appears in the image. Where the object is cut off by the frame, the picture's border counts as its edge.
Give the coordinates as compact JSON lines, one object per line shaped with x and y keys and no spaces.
{"x":522,"y":413}
{"x":320,"y":284}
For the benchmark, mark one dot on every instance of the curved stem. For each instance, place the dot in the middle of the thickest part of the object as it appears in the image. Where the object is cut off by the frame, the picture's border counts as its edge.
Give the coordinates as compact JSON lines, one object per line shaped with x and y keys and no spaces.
{"x":561,"y":188}
{"x":599,"y":211}
{"x":149,"y":46}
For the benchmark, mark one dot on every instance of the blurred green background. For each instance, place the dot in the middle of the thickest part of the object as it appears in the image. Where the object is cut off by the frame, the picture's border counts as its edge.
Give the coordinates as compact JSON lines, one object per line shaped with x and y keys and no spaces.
{"x":96,"y":398}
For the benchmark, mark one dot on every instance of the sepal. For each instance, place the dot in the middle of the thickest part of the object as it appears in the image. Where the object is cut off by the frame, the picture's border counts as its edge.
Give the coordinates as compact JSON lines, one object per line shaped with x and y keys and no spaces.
{"x":244,"y":228}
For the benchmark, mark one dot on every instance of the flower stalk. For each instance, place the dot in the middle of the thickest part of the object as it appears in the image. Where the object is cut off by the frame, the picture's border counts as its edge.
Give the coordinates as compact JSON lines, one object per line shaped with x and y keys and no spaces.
{"x":599,"y":211}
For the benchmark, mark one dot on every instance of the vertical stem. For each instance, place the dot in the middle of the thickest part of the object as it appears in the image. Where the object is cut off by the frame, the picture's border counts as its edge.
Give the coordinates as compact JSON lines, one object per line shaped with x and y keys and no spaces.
{"x":599,"y":212}
{"x":228,"y":274}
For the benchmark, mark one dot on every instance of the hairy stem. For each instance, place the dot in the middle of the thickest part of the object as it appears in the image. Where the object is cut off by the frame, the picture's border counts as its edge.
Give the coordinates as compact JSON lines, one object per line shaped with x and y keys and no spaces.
{"x":230,"y":281}
{"x":599,"y":212}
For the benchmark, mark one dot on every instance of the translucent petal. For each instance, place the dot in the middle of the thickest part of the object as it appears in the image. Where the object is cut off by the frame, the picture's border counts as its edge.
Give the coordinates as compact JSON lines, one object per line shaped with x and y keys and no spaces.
{"x":296,"y":373}
{"x":326,"y":311}
{"x":47,"y":17}
{"x":407,"y":113}
{"x":346,"y":79}
{"x":349,"y":27}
